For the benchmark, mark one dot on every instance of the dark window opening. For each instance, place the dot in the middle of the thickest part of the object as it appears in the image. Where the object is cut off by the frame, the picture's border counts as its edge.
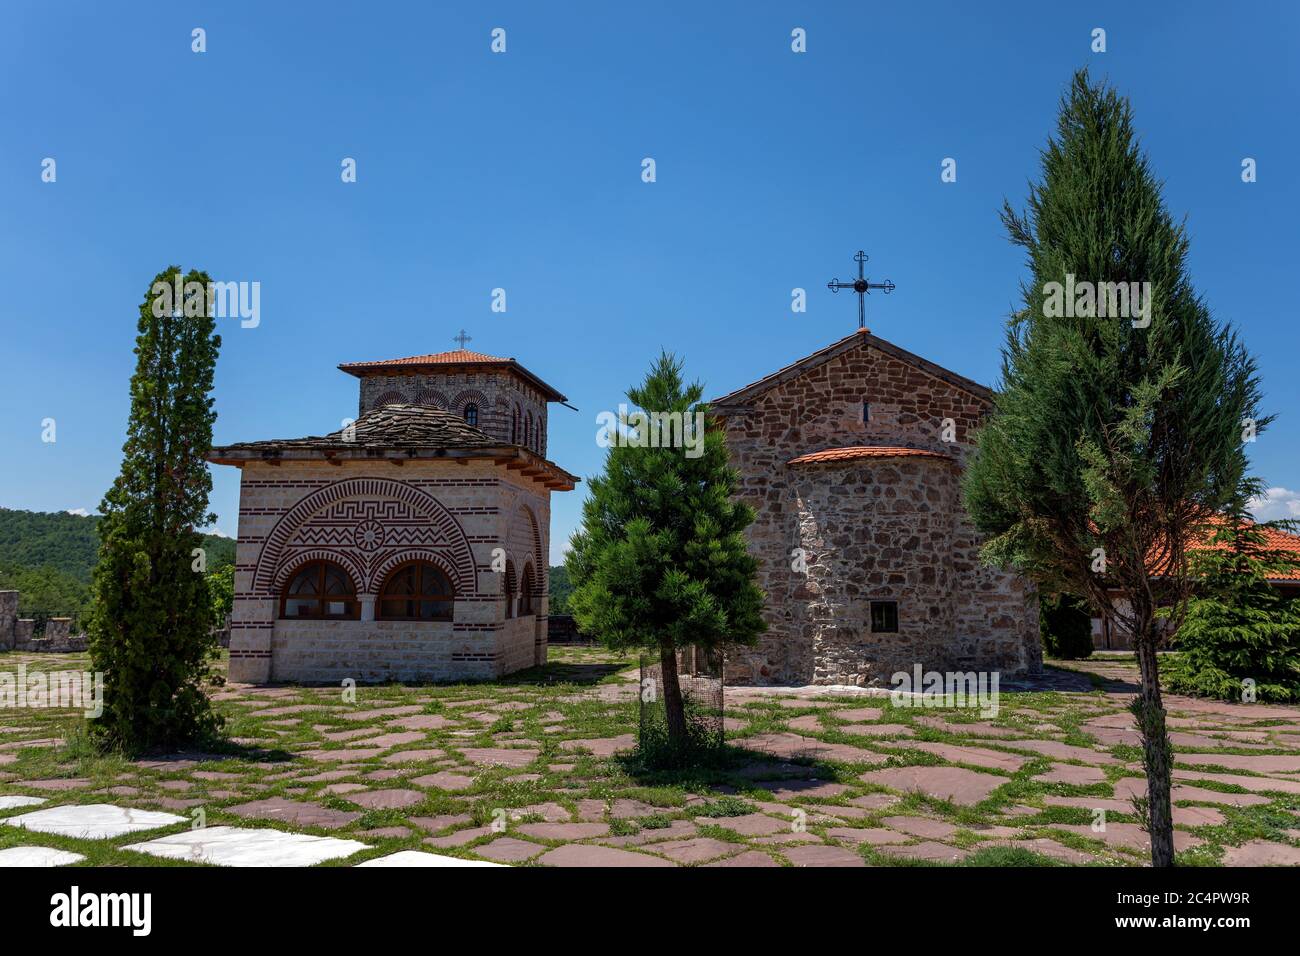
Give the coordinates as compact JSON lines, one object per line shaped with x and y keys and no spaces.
{"x":471,"y":414}
{"x":320,"y":590}
{"x":510,"y":590}
{"x":417,"y":591}
{"x":866,"y":412}
{"x":884,"y":617}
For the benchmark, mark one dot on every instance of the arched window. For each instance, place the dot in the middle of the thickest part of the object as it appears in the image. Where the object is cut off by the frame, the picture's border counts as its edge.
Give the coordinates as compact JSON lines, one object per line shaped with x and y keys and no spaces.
{"x":320,"y":589}
{"x":471,"y":414}
{"x":416,"y":591}
{"x":526,"y":592}
{"x":510,"y":589}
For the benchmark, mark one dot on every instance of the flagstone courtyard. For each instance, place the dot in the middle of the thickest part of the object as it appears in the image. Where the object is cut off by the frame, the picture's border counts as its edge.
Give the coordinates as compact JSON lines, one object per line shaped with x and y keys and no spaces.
{"x":537,"y":770}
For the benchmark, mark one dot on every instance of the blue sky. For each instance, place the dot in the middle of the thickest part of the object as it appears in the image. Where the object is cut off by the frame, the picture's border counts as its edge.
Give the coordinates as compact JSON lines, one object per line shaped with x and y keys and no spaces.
{"x":522,"y":171}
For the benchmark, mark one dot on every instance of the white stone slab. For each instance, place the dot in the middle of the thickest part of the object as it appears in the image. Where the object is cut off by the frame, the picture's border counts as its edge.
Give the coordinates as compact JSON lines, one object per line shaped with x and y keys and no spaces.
{"x":246,"y":846}
{"x":10,"y":803}
{"x":420,"y":858}
{"x":94,"y":821}
{"x":37,"y":856}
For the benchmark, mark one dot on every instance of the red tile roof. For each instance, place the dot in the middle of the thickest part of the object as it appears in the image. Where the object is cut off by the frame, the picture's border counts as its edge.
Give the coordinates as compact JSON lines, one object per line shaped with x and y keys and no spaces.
{"x":856,"y":452}
{"x":454,"y":357}
{"x":1274,"y":540}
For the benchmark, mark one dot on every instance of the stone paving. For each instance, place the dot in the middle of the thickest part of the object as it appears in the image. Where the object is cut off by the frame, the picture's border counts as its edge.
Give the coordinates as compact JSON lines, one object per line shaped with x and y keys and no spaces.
{"x":538,"y":770}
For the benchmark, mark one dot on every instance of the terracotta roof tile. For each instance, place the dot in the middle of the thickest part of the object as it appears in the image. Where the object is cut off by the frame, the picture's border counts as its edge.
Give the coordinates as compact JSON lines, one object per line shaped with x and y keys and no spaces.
{"x":856,"y":452}
{"x":1274,"y":540}
{"x":454,"y":357}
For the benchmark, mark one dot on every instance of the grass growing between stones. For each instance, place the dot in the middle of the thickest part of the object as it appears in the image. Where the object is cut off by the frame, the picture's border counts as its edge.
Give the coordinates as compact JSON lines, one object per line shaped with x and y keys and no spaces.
{"x":543,"y":758}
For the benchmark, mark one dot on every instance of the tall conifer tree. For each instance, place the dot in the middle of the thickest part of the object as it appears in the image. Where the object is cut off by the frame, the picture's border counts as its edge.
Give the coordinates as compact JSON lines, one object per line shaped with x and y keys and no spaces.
{"x":1116,"y":437}
{"x":660,"y":560}
{"x":151,"y":627}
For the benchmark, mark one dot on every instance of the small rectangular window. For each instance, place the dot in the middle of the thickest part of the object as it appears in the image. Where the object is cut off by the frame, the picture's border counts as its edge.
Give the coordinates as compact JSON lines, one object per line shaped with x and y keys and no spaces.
{"x":884,"y":617}
{"x":866,"y":412}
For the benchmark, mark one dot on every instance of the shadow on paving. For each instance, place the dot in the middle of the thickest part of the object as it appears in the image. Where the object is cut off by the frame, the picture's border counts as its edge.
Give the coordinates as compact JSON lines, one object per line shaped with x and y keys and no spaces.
{"x":729,"y":769}
{"x":217,"y":751}
{"x":562,"y":673}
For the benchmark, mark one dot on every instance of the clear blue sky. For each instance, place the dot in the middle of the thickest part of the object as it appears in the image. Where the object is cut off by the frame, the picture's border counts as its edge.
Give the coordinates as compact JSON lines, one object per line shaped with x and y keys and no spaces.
{"x":522,"y":171}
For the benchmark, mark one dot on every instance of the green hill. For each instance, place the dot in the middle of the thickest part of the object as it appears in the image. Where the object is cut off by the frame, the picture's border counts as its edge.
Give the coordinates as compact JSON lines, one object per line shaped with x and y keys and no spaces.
{"x":48,"y":558}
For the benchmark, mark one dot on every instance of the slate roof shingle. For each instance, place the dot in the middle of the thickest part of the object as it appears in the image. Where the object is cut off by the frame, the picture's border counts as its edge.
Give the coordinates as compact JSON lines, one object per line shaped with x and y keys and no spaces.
{"x":391,"y":426}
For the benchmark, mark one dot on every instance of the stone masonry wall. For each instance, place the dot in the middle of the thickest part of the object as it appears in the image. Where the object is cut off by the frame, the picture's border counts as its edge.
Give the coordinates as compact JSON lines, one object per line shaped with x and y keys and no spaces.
{"x":8,"y":619}
{"x":368,"y":517}
{"x":504,"y":401}
{"x":952,"y":609}
{"x":877,"y":530}
{"x":20,"y":633}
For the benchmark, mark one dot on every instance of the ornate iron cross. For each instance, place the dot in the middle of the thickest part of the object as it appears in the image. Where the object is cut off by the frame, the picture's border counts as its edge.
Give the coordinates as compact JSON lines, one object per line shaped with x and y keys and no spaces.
{"x":462,"y":338}
{"x":862,"y":287}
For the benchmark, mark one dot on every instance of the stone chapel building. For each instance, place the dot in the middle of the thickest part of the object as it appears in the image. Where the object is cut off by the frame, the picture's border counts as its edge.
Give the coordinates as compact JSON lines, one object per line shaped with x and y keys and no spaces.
{"x":412,"y":544}
{"x":852,"y":459}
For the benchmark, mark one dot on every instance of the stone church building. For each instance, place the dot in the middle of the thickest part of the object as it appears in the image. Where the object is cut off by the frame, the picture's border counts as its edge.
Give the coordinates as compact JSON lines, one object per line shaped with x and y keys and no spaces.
{"x":852,"y":460}
{"x":413,"y":543}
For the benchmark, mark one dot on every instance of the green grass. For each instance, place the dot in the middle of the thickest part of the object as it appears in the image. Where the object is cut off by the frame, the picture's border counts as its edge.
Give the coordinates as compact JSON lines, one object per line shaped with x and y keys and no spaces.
{"x":587,"y":693}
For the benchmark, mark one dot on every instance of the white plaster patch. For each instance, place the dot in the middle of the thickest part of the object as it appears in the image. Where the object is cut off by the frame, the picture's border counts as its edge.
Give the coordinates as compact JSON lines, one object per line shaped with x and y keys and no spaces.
{"x":246,"y":846}
{"x":420,"y":858}
{"x":94,"y":821}
{"x":9,"y":803}
{"x":37,"y":856}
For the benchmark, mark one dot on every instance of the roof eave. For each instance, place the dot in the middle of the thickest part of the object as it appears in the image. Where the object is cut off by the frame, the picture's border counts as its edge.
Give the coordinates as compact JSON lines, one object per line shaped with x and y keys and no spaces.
{"x":513,"y":457}
{"x":740,"y":400}
{"x":362,"y":369}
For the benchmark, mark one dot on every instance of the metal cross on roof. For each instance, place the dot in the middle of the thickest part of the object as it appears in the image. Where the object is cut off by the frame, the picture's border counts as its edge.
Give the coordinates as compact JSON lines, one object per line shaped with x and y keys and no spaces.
{"x":862,"y":287}
{"x":462,"y":338}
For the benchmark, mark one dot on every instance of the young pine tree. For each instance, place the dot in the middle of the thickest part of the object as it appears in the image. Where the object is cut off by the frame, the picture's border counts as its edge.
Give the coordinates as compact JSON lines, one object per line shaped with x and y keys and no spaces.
{"x":1115,"y":437}
{"x":151,"y":627}
{"x":1238,"y":627}
{"x":660,"y":561}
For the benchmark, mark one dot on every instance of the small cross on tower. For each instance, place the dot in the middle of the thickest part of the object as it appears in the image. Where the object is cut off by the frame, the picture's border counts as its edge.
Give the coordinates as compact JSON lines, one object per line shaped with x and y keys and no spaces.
{"x":862,"y":287}
{"x":462,"y":339}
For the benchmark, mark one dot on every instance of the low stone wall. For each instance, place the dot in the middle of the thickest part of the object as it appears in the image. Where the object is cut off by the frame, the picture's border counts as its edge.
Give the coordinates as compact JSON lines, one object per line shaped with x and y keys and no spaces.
{"x":19,"y":633}
{"x":8,"y":619}
{"x":58,"y":638}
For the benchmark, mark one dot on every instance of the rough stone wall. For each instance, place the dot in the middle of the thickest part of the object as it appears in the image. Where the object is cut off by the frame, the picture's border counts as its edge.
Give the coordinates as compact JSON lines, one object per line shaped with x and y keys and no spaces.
{"x":8,"y":619}
{"x":368,"y":517}
{"x":876,"y":530}
{"x":20,"y":633}
{"x":983,"y":617}
{"x":24,"y":632}
{"x":502,"y":399}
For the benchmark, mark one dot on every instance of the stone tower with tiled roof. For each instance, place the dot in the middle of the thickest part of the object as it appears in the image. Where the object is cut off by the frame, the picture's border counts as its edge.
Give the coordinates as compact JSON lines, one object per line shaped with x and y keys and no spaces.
{"x":852,"y":460}
{"x":505,"y":400}
{"x":410,"y":544}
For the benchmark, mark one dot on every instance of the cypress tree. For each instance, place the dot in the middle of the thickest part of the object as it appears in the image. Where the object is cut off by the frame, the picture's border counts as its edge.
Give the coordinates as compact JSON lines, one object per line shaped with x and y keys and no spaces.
{"x":151,"y":626}
{"x":1115,"y":437}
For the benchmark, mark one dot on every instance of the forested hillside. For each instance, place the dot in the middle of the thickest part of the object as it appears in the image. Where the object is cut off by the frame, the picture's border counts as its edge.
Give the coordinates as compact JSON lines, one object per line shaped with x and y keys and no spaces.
{"x":48,"y":558}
